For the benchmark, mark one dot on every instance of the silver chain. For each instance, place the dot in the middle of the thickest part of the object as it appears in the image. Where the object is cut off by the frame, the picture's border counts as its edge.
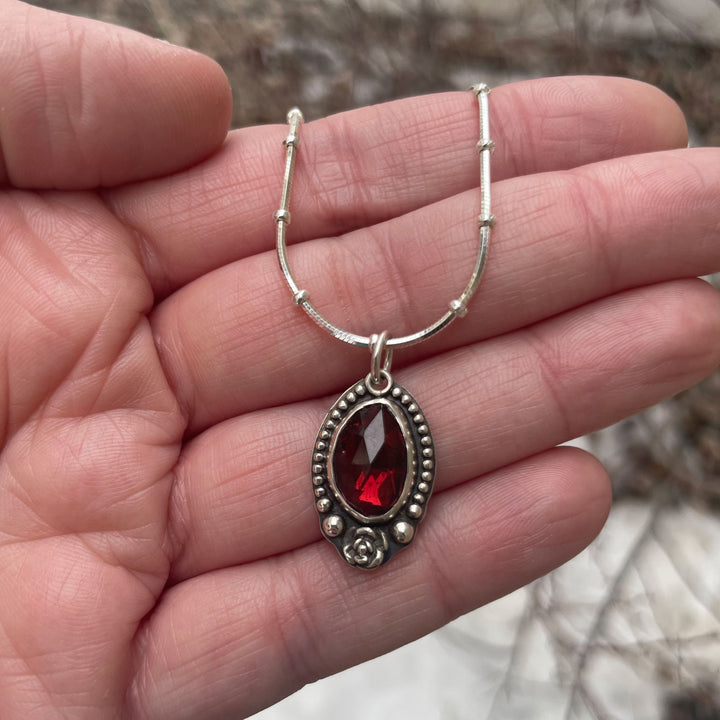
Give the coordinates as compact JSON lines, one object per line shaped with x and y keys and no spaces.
{"x":486,"y":220}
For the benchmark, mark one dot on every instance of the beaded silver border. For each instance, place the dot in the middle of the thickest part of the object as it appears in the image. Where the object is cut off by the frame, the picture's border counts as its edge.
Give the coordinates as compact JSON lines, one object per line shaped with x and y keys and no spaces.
{"x":362,"y":541}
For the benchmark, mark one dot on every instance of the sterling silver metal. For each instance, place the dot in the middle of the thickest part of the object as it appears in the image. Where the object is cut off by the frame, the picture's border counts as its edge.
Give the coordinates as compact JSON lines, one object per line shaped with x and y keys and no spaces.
{"x":486,"y":220}
{"x":369,"y":541}
{"x":381,"y":356}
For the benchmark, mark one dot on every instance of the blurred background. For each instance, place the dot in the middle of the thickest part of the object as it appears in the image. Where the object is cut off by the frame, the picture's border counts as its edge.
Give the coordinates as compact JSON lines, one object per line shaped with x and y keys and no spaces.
{"x":630,"y":628}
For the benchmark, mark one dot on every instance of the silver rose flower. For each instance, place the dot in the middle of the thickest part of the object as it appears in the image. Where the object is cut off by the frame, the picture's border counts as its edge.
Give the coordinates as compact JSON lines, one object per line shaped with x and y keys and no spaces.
{"x":365,"y":547}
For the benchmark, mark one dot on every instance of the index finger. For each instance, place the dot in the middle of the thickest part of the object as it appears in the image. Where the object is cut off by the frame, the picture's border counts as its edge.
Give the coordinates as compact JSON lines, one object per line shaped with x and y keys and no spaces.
{"x":366,"y":166}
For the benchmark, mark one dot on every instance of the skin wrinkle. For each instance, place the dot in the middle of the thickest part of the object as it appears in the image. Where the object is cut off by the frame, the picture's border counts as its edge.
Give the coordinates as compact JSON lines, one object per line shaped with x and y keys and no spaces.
{"x":111,"y":559}
{"x":51,"y":528}
{"x":301,"y":645}
{"x":447,"y":600}
{"x":15,"y":488}
{"x":513,"y":153}
{"x":39,"y":77}
{"x":594,"y":202}
{"x":298,"y":644}
{"x":5,"y":409}
{"x":691,"y":360}
{"x":396,"y":280}
{"x":81,"y":353}
{"x":351,"y":191}
{"x":30,"y":674}
{"x":637,"y":178}
{"x":146,"y":578}
{"x":177,"y":519}
{"x":103,"y":373}
{"x":183,"y":507}
{"x":186,"y":402}
{"x":342,"y":269}
{"x":81,"y":616}
{"x":143,"y":249}
{"x":86,"y":347}
{"x":141,"y":645}
{"x":145,"y":395}
{"x":39,"y":677}
{"x":701,"y":181}
{"x":549,"y":372}
{"x":25,"y":242}
{"x":271,"y":465}
{"x":538,"y":515}
{"x":586,"y":127}
{"x":217,"y":627}
{"x":3,"y":164}
{"x":616,"y":141}
{"x":76,"y":108}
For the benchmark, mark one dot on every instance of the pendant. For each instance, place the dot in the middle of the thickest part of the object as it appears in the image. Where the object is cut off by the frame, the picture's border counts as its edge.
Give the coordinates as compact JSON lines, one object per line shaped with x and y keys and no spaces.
{"x":373,"y":471}
{"x":373,"y":461}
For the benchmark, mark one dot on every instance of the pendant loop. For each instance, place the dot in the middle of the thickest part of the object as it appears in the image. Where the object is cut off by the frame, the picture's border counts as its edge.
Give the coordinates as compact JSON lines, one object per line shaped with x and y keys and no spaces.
{"x":381,"y":357}
{"x":381,"y":388}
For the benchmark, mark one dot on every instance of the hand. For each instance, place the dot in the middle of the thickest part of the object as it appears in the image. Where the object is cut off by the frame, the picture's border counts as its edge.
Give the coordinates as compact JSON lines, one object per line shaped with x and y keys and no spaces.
{"x":160,"y":556}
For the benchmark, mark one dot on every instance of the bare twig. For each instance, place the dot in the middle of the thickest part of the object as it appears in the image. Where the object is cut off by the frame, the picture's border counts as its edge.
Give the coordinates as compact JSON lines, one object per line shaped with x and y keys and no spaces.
{"x":604,"y":608}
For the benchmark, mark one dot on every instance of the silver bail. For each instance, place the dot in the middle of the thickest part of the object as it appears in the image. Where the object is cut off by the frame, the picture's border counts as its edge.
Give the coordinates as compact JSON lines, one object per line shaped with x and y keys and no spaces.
{"x":381,"y":357}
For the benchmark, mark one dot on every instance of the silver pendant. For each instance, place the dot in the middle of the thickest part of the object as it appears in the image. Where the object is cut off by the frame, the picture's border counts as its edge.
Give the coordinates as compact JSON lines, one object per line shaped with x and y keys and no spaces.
{"x":370,"y":492}
{"x":373,"y":471}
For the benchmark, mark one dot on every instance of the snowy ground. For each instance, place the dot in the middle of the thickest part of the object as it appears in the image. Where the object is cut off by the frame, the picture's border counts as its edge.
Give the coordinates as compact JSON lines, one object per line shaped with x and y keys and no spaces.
{"x":611,"y":634}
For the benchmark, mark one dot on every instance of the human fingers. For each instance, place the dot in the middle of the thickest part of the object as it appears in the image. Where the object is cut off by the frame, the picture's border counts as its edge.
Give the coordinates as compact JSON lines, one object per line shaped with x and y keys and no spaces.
{"x":368,"y":165}
{"x":232,"y":341}
{"x":87,"y":104}
{"x":267,"y":628}
{"x":242,"y":488}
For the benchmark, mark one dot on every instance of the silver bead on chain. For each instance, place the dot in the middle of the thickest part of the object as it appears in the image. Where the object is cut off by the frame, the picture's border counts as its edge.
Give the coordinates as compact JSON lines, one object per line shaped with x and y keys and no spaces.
{"x":486,"y":220}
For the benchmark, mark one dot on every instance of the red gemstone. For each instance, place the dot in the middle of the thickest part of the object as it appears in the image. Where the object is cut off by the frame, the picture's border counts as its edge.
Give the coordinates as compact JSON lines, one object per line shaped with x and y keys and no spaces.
{"x":370,"y":460}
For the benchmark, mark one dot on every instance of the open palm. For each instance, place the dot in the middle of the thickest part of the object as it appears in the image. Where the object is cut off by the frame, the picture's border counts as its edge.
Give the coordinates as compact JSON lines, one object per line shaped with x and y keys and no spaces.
{"x":159,"y":393}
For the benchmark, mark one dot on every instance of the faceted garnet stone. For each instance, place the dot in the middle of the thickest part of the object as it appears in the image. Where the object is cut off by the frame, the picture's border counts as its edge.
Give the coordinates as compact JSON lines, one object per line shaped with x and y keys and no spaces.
{"x":370,"y":460}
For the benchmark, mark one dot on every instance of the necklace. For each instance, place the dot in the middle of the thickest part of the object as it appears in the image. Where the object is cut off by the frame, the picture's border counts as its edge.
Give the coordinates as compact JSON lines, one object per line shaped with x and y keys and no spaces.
{"x":373,"y":462}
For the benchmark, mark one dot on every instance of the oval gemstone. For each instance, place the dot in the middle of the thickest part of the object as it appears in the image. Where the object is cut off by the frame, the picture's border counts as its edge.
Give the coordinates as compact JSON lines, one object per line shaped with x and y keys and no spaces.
{"x":370,"y":460}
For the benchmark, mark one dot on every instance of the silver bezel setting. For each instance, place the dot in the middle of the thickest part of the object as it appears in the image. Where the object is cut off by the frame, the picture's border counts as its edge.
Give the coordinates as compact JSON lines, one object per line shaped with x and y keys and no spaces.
{"x":367,"y":542}
{"x":410,"y":451}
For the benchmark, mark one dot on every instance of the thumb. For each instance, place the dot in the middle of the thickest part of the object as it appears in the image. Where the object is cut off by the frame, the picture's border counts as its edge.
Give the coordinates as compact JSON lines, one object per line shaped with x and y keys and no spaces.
{"x":84,"y":104}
